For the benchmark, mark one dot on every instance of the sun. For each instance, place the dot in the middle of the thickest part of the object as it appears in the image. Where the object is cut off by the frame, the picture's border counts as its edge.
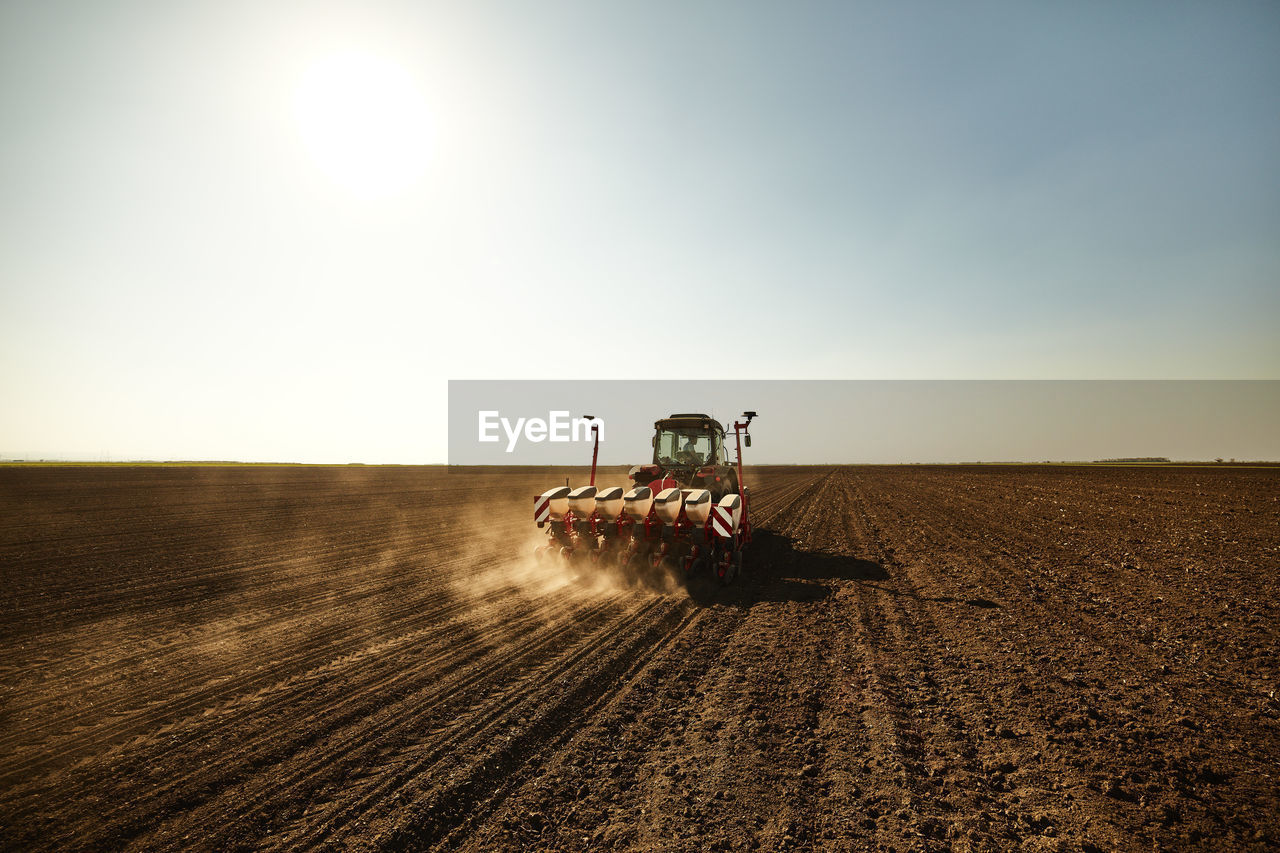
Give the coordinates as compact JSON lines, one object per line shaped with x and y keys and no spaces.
{"x":364,"y":123}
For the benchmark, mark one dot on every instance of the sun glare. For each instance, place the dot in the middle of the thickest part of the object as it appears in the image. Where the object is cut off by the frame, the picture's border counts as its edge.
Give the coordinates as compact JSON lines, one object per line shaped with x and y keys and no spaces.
{"x":364,"y":122}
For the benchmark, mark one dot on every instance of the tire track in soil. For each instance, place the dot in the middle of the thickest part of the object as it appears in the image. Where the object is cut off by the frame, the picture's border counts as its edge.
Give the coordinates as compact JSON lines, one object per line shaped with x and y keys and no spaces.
{"x":80,"y":729}
{"x":466,"y":801}
{"x":194,"y":697}
{"x":362,"y":704}
{"x":744,"y":692}
{"x":920,"y":758}
{"x":1092,"y":794}
{"x":1037,"y":554}
{"x":1027,"y":799}
{"x":859,"y":680}
{"x":257,"y":579}
{"x":352,"y":753}
{"x":906,"y":714}
{"x":975,"y":782}
{"x":307,"y":569}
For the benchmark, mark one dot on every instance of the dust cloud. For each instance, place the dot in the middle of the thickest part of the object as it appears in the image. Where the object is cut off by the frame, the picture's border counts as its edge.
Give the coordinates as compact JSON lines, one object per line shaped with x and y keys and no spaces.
{"x":504,"y":562}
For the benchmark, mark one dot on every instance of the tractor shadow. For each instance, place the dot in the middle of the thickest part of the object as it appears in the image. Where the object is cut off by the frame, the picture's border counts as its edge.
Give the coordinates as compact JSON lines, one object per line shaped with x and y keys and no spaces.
{"x":778,"y":570}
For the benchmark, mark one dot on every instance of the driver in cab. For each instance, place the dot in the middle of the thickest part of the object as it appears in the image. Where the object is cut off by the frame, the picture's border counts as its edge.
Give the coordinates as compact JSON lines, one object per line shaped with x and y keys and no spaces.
{"x":690,"y":454}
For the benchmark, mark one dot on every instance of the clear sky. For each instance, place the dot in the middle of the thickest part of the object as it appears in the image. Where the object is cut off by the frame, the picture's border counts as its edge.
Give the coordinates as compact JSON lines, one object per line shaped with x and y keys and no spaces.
{"x":264,"y":230}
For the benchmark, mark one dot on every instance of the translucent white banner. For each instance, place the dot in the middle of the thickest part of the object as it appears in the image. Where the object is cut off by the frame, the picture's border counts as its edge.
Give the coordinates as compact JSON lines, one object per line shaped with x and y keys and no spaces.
{"x":544,"y":422}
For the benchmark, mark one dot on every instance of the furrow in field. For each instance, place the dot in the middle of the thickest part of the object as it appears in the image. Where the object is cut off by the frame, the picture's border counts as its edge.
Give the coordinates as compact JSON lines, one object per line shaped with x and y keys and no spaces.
{"x":409,"y":737}
{"x":64,"y":739}
{"x":505,"y":741}
{"x":1055,"y":674}
{"x":274,"y":728}
{"x":293,"y":588}
{"x":973,"y":775}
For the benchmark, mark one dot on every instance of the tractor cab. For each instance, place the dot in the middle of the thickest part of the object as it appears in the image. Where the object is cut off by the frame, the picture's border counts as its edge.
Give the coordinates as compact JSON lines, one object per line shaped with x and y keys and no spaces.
{"x":688,"y":441}
{"x":690,"y":449}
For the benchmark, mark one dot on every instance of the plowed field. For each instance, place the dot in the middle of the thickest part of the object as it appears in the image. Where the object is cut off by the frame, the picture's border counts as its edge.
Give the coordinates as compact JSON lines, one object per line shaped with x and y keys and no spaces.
{"x":982,"y":658}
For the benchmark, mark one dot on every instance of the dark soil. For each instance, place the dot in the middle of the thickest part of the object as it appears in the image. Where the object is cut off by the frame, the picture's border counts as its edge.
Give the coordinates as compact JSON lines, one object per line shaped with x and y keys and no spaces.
{"x":984,"y":658}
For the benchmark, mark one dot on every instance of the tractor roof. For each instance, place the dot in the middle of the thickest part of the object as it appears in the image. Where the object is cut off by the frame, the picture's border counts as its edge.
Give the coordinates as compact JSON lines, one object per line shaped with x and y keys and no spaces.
{"x":688,"y":421}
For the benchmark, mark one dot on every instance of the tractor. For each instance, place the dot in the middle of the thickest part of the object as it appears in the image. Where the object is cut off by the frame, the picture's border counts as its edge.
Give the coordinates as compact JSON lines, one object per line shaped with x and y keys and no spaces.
{"x":687,"y":509}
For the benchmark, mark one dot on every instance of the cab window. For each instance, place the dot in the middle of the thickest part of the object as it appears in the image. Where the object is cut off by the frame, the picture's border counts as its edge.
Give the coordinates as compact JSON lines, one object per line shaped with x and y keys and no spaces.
{"x":682,"y":447}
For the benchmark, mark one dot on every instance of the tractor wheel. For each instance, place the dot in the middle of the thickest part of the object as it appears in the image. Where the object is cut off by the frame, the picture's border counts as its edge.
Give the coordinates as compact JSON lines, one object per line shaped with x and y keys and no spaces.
{"x":631,"y":563}
{"x":728,"y":567}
